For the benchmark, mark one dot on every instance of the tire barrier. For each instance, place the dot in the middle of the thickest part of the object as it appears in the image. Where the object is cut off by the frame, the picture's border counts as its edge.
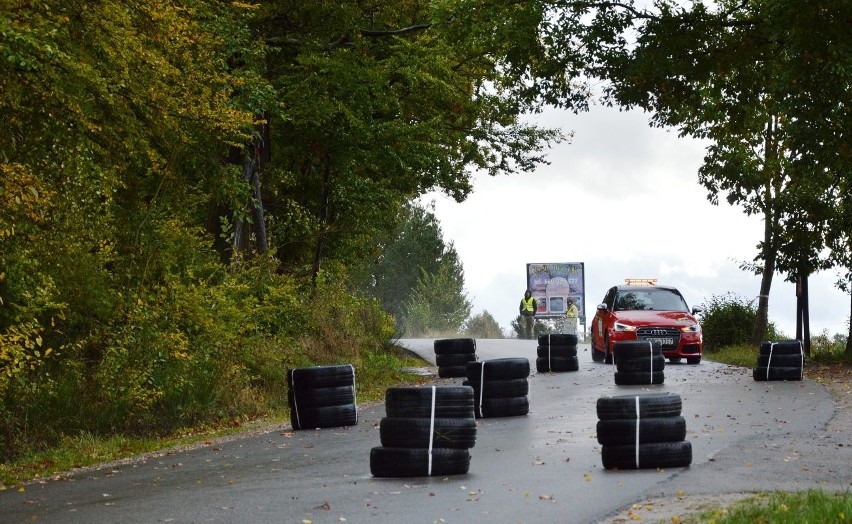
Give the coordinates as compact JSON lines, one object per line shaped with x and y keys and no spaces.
{"x":500,"y":387}
{"x":638,"y":362}
{"x":642,"y":432}
{"x":427,"y":432}
{"x":780,"y":360}
{"x":322,"y":397}
{"x":452,"y":354}
{"x":557,"y":353}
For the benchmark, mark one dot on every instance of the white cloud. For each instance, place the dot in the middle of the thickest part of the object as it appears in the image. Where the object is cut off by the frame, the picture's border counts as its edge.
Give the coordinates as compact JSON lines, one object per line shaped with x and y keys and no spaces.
{"x":623,"y":198}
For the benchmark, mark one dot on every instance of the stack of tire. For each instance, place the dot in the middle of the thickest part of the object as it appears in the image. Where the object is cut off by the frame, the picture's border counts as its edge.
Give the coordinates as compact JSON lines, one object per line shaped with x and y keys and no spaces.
{"x":427,"y":432}
{"x":780,"y":360}
{"x":453,"y":354}
{"x":557,"y":352}
{"x":500,"y":387}
{"x":638,"y":362}
{"x":642,"y":431}
{"x":322,"y":397}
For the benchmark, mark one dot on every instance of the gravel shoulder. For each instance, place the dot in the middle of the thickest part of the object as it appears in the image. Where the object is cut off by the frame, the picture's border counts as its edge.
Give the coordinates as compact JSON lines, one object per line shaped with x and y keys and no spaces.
{"x":837,"y":379}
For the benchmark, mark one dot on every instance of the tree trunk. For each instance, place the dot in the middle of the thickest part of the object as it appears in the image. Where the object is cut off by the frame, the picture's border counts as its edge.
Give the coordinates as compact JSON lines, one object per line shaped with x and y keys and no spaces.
{"x":770,"y":227}
{"x":849,"y":336}
{"x":323,"y":216}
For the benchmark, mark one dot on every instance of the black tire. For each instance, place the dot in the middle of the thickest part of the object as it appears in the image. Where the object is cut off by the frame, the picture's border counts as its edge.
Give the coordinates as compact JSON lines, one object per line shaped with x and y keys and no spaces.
{"x":762,"y":374}
{"x":510,"y":387}
{"x":414,"y":462}
{"x":558,"y":339}
{"x":452,"y":371}
{"x":415,"y":402}
{"x":635,"y":349}
{"x":625,"y":378}
{"x":607,"y":350}
{"x":646,"y":364}
{"x":556,"y":351}
{"x":321,"y":376}
{"x":693,"y":361}
{"x":652,"y":455}
{"x":498,"y":369}
{"x":324,"y":417}
{"x":456,"y":433}
{"x":598,"y":355}
{"x":649,"y":405}
{"x":621,"y":432}
{"x":780,"y":361}
{"x":454,"y":345}
{"x":556,"y":364}
{"x":674,"y":360}
{"x":454,"y":359}
{"x":321,"y":397}
{"x":502,"y":407}
{"x":781,"y":347}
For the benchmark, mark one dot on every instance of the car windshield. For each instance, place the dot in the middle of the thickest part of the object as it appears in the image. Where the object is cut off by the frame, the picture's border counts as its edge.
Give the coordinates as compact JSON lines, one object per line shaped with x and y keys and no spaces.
{"x":650,"y":300}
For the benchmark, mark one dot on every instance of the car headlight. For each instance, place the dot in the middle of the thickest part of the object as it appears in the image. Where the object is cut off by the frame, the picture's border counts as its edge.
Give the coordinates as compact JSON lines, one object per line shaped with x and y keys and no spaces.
{"x":623,"y":327}
{"x":695,"y":328}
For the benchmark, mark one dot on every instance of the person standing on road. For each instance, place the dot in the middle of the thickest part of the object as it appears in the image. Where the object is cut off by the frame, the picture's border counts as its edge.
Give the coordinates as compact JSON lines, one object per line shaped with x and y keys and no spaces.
{"x":527,"y":309}
{"x":572,"y":315}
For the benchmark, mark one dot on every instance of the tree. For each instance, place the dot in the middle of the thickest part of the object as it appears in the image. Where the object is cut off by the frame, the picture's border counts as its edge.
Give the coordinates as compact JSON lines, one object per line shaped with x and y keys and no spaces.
{"x":725,"y":75}
{"x":483,"y":325}
{"x":438,"y":305}
{"x":414,"y":248}
{"x":373,"y":111}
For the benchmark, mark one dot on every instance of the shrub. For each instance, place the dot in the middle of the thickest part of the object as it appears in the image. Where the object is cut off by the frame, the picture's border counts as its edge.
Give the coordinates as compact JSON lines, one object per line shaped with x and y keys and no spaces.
{"x":728,"y":320}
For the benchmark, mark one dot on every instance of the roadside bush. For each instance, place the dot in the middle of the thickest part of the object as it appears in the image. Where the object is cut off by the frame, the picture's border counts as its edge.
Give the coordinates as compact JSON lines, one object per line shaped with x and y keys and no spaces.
{"x":826,"y":348}
{"x":728,"y":320}
{"x":483,"y":325}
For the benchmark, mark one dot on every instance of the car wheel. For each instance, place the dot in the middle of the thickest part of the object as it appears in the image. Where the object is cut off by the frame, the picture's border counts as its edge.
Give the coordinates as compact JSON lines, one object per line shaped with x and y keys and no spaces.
{"x":621,"y":432}
{"x":455,"y":433}
{"x":674,"y":360}
{"x":693,"y":360}
{"x":643,"y":456}
{"x":454,"y":346}
{"x":598,"y":355}
{"x":648,"y":405}
{"x":412,"y":402}
{"x":418,"y":462}
{"x":607,"y":350}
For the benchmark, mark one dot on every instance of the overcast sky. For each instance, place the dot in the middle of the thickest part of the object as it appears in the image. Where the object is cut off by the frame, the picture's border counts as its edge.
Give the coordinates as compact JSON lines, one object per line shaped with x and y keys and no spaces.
{"x":623,"y":198}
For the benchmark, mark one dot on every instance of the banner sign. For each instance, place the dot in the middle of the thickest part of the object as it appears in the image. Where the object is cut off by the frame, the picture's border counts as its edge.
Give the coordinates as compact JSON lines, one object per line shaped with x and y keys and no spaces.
{"x":555,"y":285}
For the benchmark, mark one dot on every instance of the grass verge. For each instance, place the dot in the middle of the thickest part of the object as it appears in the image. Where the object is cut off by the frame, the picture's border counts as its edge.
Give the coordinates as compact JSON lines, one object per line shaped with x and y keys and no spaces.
{"x":782,"y":508}
{"x":374,"y":375}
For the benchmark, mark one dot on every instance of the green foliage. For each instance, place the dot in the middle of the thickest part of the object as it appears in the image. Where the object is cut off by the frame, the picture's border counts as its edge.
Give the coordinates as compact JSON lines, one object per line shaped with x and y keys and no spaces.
{"x":780,"y":507}
{"x":728,"y":320}
{"x":438,"y":306}
{"x":483,"y":325}
{"x":828,"y":348}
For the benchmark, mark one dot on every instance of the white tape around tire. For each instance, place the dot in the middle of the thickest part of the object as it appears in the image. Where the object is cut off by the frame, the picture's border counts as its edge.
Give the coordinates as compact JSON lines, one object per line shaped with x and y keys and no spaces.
{"x":432,"y":429}
{"x":295,"y":402}
{"x":769,"y":361}
{"x":637,"y":431}
{"x":481,"y":386}
{"x":802,"y":366}
{"x":651,"y":348}
{"x":354,"y":393}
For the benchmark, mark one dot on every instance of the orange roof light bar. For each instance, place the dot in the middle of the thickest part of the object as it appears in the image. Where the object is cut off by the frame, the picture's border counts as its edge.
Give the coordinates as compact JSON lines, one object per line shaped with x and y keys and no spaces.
{"x":640,"y":281}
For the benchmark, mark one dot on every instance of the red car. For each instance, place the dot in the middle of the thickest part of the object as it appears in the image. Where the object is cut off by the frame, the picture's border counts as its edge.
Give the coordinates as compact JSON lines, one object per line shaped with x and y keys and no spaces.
{"x":647,"y":312}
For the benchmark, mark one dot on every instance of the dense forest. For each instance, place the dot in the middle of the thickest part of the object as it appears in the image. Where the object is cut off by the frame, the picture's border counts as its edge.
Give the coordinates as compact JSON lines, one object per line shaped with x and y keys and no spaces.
{"x":197,"y":195}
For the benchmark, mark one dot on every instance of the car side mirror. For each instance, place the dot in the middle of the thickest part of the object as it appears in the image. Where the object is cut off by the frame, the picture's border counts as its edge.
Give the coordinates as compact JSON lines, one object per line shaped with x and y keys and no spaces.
{"x":696,"y":310}
{"x":601,"y":307}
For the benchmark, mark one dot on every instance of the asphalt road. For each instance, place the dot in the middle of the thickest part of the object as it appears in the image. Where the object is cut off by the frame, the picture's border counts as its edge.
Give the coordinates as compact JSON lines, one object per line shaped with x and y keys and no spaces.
{"x":543,"y":467}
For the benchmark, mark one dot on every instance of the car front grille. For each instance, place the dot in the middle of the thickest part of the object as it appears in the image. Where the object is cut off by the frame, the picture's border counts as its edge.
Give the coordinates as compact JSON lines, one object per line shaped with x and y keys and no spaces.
{"x":645,"y":333}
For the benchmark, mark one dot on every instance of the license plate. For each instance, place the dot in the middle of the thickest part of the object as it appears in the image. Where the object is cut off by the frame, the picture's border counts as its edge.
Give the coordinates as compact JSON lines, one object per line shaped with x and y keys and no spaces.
{"x":664,"y":341}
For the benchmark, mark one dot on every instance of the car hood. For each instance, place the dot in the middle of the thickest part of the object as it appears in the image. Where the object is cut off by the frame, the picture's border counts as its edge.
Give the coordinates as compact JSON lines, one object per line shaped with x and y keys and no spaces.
{"x":656,"y":318}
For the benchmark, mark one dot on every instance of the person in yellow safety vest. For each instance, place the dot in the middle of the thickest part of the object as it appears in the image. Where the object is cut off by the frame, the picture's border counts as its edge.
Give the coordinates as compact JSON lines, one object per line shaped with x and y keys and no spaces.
{"x":571,"y":315}
{"x":527,"y":309}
